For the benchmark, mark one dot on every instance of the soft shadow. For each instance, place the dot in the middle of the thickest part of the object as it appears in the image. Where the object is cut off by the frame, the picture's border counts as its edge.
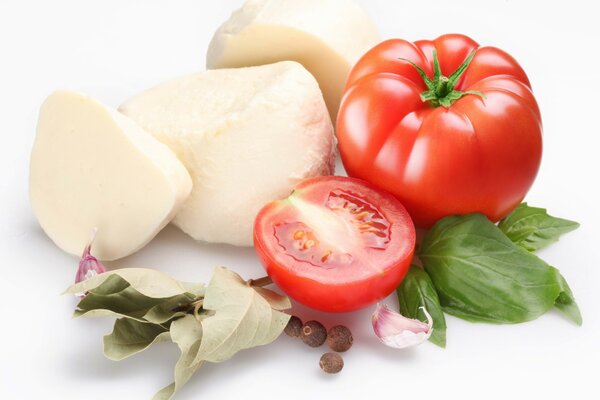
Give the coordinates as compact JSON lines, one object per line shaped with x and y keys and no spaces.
{"x":258,"y":362}
{"x":87,"y":362}
{"x":175,"y":253}
{"x":359,"y":323}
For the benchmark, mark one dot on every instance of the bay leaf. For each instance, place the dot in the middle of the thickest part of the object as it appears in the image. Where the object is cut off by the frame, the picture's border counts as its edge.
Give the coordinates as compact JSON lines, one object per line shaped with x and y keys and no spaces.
{"x":169,"y":309}
{"x":234,"y":316}
{"x":149,"y":282}
{"x":186,"y":332}
{"x":197,"y":289}
{"x":130,"y":337}
{"x":276,"y":300}
{"x":116,"y":295}
{"x":104,"y":313}
{"x":242,"y":319}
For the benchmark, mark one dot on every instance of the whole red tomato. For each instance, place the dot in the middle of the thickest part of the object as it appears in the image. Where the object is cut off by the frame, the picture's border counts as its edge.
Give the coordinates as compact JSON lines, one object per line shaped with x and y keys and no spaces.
{"x":447,"y":126}
{"x":336,"y":243}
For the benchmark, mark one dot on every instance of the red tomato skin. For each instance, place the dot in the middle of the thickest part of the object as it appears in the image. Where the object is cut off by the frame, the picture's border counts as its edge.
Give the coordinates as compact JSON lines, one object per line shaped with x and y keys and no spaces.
{"x":479,"y":155}
{"x":332,"y":298}
{"x":326,"y":294}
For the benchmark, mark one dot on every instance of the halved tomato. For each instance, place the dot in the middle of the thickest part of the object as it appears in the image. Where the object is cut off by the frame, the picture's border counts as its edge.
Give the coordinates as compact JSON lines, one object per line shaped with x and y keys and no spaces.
{"x":335,"y":244}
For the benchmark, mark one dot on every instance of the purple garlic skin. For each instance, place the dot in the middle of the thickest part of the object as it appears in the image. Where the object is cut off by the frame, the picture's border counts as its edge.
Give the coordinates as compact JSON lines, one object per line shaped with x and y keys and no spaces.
{"x":89,"y":266}
{"x":395,"y":330}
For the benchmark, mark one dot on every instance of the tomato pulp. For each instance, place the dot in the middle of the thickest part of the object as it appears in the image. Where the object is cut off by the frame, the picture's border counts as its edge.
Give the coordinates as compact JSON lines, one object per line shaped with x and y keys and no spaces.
{"x":335,"y":244}
{"x":448,"y":147}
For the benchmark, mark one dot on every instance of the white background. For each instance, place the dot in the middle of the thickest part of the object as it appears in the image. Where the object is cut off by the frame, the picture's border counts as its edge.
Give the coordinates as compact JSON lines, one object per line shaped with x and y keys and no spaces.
{"x":112,"y":49}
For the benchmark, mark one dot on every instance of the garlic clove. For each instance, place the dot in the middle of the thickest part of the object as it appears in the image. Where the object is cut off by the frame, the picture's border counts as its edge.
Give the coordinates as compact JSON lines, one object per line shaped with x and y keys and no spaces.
{"x":89,"y":266}
{"x":395,"y":330}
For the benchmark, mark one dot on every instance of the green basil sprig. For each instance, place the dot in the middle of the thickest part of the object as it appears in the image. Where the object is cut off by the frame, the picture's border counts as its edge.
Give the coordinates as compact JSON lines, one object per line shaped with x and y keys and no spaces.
{"x":416,"y":291}
{"x":532,"y":228}
{"x":481,"y":275}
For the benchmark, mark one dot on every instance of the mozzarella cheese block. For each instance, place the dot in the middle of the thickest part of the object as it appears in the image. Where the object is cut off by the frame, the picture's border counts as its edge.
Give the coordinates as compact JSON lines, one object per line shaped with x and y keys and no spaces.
{"x":326,"y":36}
{"x":246,"y":135}
{"x":92,"y":167}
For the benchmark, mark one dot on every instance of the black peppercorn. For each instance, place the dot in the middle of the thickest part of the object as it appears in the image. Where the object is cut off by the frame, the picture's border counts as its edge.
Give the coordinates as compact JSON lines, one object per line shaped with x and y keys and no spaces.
{"x":314,"y":333}
{"x":331,"y":363}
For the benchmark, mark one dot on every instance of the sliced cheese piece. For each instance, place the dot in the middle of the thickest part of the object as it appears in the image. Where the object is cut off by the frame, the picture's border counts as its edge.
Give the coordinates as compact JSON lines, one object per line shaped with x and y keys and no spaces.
{"x":246,"y":135}
{"x":92,"y":167}
{"x":326,"y":36}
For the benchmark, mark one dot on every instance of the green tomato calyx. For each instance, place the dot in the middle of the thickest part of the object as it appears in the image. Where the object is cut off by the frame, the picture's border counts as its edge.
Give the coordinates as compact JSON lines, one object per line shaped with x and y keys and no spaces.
{"x":440,"y":89}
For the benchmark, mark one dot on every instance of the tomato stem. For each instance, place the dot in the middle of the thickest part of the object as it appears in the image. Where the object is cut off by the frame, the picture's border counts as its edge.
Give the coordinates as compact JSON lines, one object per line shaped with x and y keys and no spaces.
{"x":440,"y":89}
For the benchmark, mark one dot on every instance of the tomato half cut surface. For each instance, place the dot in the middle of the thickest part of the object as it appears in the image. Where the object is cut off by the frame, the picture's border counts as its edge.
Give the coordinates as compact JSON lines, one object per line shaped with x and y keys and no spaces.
{"x":335,"y":244}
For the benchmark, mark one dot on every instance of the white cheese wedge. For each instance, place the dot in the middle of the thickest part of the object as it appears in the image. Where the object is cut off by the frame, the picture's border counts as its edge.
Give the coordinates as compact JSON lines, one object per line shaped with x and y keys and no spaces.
{"x":92,"y":167}
{"x":246,"y":135}
{"x":326,"y":36}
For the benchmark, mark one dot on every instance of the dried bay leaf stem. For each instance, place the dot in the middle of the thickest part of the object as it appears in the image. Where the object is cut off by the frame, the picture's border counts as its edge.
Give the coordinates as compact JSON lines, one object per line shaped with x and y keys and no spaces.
{"x":260,"y":282}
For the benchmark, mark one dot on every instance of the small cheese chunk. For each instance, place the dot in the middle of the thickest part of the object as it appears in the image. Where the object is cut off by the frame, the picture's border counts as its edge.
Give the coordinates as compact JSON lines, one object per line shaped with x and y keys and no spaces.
{"x":246,"y":135}
{"x":92,"y":167}
{"x":326,"y":36}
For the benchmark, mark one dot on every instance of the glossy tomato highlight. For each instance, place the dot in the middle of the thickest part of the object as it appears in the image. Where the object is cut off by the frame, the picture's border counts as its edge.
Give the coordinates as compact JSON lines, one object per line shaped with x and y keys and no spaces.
{"x":336,"y":243}
{"x":445,"y":125}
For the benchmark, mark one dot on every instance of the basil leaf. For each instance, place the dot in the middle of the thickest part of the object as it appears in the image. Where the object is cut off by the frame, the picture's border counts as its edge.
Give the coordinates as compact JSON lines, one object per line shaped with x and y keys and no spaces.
{"x":416,"y":291}
{"x":565,"y":302}
{"x":532,"y":228}
{"x":130,"y":337}
{"x":481,"y":275}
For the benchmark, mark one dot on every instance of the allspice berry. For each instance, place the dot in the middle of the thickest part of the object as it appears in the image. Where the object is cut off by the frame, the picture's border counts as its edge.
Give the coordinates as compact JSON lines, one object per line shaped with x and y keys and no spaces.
{"x":339,"y":338}
{"x":331,"y":363}
{"x":293,"y":327}
{"x":314,"y":333}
